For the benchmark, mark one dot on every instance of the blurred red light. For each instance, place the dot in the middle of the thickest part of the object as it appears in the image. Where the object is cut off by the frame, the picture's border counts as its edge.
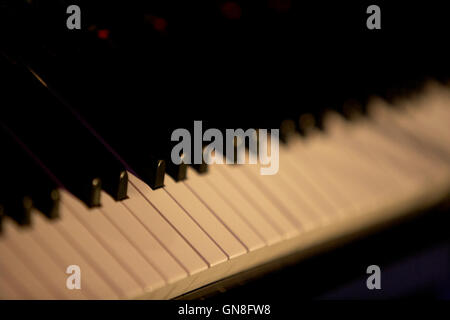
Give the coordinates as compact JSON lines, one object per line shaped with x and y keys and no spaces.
{"x":231,"y":10}
{"x":160,"y":24}
{"x":103,"y":34}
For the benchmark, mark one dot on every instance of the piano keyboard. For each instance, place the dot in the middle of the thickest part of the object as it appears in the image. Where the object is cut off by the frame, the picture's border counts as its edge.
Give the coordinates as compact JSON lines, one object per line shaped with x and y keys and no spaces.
{"x":162,"y":243}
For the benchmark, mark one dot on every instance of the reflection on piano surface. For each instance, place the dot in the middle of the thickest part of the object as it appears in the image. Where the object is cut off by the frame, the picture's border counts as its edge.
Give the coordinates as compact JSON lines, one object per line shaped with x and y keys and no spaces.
{"x":87,"y":178}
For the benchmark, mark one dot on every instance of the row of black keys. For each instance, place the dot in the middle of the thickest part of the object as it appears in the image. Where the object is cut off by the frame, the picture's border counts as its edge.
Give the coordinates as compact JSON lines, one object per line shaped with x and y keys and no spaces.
{"x":47,"y":143}
{"x":45,"y":146}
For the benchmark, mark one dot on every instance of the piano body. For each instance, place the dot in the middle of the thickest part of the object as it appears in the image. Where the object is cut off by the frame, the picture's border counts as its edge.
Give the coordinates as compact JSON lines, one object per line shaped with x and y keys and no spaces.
{"x":87,"y":178}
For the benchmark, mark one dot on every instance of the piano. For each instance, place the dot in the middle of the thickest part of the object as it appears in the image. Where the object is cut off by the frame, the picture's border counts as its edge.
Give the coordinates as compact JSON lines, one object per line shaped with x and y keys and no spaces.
{"x":86,"y":118}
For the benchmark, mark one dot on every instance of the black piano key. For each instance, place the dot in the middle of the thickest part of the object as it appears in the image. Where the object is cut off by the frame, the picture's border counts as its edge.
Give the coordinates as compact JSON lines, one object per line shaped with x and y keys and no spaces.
{"x":67,"y":147}
{"x":47,"y":202}
{"x":306,"y":123}
{"x":112,"y":114}
{"x":34,"y":181}
{"x":13,"y":198}
{"x":36,"y":122}
{"x":116,"y":185}
{"x":177,"y":171}
{"x":107,"y":164}
{"x":2,"y":215}
{"x":201,"y":168}
{"x":18,"y":207}
{"x":287,"y":130}
{"x":151,"y":170}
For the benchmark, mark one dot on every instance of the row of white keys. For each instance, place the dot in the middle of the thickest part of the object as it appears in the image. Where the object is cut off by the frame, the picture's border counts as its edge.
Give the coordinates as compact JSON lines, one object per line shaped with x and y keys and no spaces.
{"x":226,"y":214}
{"x":351,"y":179}
{"x":432,"y":106}
{"x":369,"y":148}
{"x":10,"y":291}
{"x":21,"y":274}
{"x":273,"y":186}
{"x":34,"y":255}
{"x":343,"y":132}
{"x":370,"y":164}
{"x":435,"y":122}
{"x":347,"y":185}
{"x":149,"y":217}
{"x":429,"y":121}
{"x":181,"y":221}
{"x":288,"y":226}
{"x":426,"y":124}
{"x":405,"y":164}
{"x":408,"y":158}
{"x":408,"y":164}
{"x":150,"y":247}
{"x":93,"y":284}
{"x":308,"y":210}
{"x":439,"y":104}
{"x":256,"y":220}
{"x":432,"y":110}
{"x":407,"y":154}
{"x":402,"y":145}
{"x":117,"y":243}
{"x":303,"y":189}
{"x":371,"y":184}
{"x":81,"y":238}
{"x":55,"y":237}
{"x":424,"y":135}
{"x":372,"y":181}
{"x":319,"y":147}
{"x":205,"y":218}
{"x":308,"y":170}
{"x":155,"y":250}
{"x":169,"y":253}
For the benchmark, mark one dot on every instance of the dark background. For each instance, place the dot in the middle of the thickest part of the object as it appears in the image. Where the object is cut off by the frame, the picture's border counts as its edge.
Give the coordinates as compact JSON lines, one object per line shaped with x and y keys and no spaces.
{"x":230,"y":63}
{"x":138,"y":70}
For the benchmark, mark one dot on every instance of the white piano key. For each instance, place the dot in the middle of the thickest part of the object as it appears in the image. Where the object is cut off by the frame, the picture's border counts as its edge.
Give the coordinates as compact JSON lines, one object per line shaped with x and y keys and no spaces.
{"x":426,"y":113}
{"x":160,"y":229}
{"x":310,"y":210}
{"x":343,"y":177}
{"x":404,"y":164}
{"x":22,"y":275}
{"x":304,"y":190}
{"x":352,"y":155}
{"x":299,"y":158}
{"x":144,"y":241}
{"x":367,"y":149}
{"x":406,"y":157}
{"x":377,"y":188}
{"x":93,"y":282}
{"x":379,"y":185}
{"x":181,"y":221}
{"x":402,"y":145}
{"x":95,"y":221}
{"x":44,"y":266}
{"x":239,"y":203}
{"x":205,"y":218}
{"x":259,"y":199}
{"x":9,"y":291}
{"x":423,"y":134}
{"x":249,"y":239}
{"x":87,"y":244}
{"x":273,"y":187}
{"x":436,"y":98}
{"x":393,"y":166}
{"x":342,"y":190}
